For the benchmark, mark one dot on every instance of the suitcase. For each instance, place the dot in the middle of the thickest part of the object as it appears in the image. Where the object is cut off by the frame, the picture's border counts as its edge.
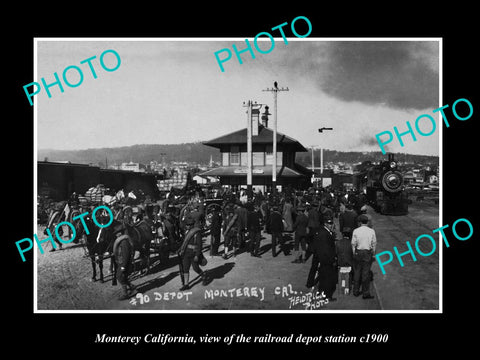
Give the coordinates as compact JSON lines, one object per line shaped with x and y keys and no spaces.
{"x":344,"y":285}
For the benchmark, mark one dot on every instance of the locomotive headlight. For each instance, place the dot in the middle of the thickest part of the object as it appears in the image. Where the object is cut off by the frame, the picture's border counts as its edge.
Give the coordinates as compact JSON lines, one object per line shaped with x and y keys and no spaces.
{"x":392,"y":181}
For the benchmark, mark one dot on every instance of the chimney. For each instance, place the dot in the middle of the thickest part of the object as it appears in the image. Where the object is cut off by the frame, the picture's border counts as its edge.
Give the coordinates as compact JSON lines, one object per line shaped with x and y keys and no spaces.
{"x":265,"y":117}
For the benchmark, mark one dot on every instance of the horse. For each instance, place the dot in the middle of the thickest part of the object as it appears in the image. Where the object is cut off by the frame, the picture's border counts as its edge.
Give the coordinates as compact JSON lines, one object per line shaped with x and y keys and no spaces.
{"x":137,"y":238}
{"x":97,"y":247}
{"x":141,"y":237}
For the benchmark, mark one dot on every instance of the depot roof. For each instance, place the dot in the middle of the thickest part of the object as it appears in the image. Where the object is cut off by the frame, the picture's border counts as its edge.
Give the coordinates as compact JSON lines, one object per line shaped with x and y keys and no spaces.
{"x":265,"y":136}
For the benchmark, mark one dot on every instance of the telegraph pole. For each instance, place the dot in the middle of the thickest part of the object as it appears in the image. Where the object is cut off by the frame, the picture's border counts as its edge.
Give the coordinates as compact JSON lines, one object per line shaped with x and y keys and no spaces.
{"x":248,"y":105}
{"x":253,"y":111}
{"x":321,"y":162}
{"x":321,"y":152}
{"x":275,"y":90}
{"x":313,"y":159}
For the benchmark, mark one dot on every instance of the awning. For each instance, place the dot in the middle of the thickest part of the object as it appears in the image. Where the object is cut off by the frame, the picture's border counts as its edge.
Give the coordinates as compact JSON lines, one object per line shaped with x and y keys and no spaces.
{"x":241,"y":171}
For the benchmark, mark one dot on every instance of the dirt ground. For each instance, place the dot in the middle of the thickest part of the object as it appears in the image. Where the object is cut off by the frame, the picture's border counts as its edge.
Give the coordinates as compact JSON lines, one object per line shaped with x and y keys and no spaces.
{"x":247,"y":283}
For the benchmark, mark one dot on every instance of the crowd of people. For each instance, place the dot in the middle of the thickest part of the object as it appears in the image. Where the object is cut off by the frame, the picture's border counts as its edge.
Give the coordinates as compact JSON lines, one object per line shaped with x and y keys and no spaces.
{"x":302,"y":221}
{"x":305,"y":219}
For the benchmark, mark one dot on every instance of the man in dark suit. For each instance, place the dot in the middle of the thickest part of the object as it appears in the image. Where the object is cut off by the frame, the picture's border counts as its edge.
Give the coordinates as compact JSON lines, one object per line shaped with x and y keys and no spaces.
{"x":323,"y":269}
{"x":254,"y":227}
{"x":348,"y":219}
{"x":215,"y":232}
{"x":242,"y":218}
{"x":276,"y":228}
{"x":314,"y":220}
{"x":300,"y":229}
{"x":231,"y":228}
{"x":190,"y":254}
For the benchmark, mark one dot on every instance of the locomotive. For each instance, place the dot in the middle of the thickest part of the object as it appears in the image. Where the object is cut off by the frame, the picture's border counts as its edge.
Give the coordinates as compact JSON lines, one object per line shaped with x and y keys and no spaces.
{"x":383,"y":185}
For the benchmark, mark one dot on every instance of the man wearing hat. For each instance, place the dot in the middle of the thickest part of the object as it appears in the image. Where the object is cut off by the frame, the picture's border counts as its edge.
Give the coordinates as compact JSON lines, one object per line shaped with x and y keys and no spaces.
{"x":123,"y":259}
{"x":231,"y":228}
{"x":364,"y":242}
{"x":314,"y":220}
{"x":276,"y":227}
{"x":190,"y":253}
{"x":254,"y":227}
{"x":363,"y":210}
{"x":300,"y":229}
{"x":172,"y":228}
{"x":323,"y":270}
{"x":242,"y":213}
{"x":348,"y":219}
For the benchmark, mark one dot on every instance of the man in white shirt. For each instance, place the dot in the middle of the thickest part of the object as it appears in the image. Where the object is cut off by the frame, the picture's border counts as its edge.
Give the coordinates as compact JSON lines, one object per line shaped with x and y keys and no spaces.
{"x":364,"y":242}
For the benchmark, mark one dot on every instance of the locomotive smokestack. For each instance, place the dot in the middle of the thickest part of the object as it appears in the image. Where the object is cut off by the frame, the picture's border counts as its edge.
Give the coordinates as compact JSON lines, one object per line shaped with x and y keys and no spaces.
{"x":390,"y":157}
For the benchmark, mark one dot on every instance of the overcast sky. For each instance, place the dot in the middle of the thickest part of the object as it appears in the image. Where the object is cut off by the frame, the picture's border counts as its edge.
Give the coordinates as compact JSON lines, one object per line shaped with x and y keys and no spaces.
{"x":170,"y":91}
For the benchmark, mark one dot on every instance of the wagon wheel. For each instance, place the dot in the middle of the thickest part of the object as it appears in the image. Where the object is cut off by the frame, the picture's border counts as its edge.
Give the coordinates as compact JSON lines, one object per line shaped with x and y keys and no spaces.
{"x":209,"y":213}
{"x":54,"y":219}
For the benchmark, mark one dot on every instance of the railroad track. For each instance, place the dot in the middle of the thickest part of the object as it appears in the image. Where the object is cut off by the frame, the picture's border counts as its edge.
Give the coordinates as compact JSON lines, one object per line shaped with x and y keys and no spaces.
{"x":415,"y":285}
{"x":411,"y":232}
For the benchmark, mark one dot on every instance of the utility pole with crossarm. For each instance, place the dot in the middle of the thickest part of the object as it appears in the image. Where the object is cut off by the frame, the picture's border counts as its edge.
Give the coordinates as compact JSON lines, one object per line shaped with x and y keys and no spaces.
{"x":275,"y":90}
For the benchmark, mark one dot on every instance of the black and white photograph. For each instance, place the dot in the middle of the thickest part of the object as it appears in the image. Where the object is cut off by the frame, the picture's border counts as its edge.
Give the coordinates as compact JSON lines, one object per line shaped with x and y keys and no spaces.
{"x":224,"y":179}
{"x":237,"y":186}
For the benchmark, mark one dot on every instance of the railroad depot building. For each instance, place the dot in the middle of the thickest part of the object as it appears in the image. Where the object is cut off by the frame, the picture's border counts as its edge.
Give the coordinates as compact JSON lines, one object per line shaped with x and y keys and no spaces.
{"x":233,"y":170}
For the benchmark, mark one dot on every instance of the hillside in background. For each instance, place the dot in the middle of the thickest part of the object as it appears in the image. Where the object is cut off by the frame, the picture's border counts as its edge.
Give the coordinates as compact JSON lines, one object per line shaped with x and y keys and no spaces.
{"x":200,"y":154}
{"x":191,"y":152}
{"x":354,"y":157}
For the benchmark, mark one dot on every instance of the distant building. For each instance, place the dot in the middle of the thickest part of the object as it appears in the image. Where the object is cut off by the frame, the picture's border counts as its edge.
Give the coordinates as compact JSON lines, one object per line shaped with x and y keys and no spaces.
{"x":414,"y":176}
{"x":179,"y":164}
{"x":179,"y":181}
{"x":322,"y":180}
{"x":431,"y":177}
{"x":343,"y":180}
{"x":130,"y":166}
{"x":233,"y":170}
{"x":205,"y":179}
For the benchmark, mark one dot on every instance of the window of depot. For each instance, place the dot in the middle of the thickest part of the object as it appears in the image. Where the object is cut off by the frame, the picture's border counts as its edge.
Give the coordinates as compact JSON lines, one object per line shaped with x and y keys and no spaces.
{"x":225,"y":158}
{"x":234,"y":155}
